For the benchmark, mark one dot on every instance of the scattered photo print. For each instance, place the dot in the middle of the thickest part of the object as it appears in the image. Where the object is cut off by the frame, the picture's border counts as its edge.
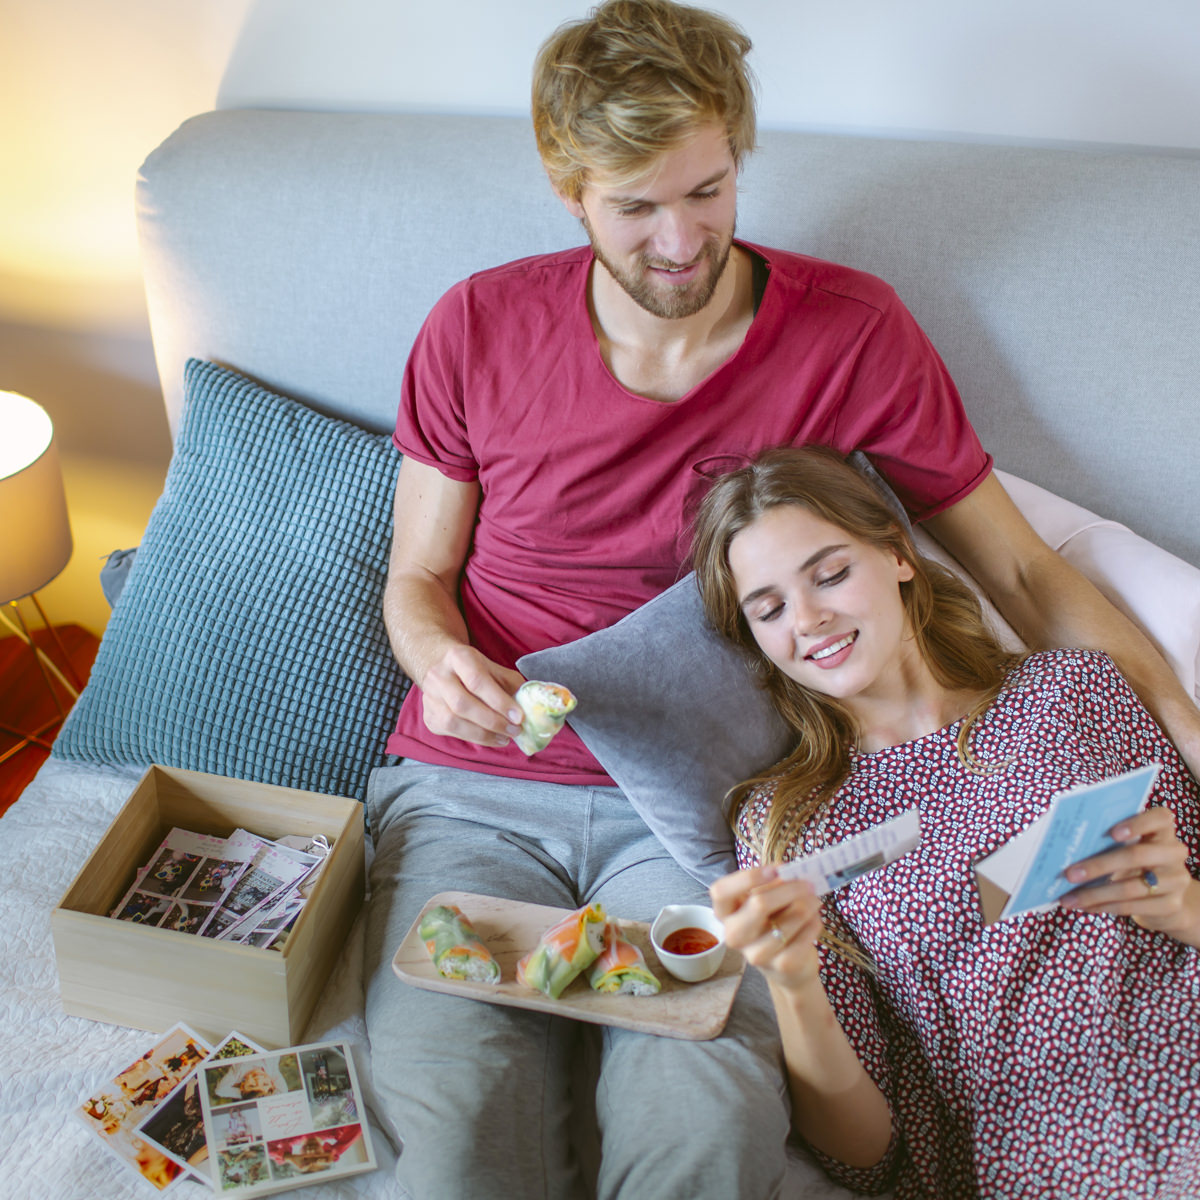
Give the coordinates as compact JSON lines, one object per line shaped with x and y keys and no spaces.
{"x":275,"y":1120}
{"x":176,"y":1127}
{"x":114,"y":1112}
{"x":242,"y":1166}
{"x":320,"y":1151}
{"x":264,"y":1075}
{"x":235,"y":1046}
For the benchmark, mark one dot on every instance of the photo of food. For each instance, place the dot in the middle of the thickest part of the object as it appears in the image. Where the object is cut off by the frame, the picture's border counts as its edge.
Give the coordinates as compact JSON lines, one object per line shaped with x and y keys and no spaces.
{"x":242,"y":1166}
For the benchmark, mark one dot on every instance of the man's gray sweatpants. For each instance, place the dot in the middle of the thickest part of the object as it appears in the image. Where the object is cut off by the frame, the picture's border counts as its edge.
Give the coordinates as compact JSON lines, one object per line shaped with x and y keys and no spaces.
{"x":480,"y":1094}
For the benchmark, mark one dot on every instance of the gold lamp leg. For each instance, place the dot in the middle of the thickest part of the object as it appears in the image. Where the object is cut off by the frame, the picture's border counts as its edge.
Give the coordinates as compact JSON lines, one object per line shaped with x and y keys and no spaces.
{"x":76,"y":682}
{"x":45,"y":662}
{"x":46,"y":667}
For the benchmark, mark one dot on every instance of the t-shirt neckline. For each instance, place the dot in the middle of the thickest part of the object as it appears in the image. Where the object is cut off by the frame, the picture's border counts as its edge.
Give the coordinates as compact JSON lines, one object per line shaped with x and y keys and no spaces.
{"x":762,"y":278}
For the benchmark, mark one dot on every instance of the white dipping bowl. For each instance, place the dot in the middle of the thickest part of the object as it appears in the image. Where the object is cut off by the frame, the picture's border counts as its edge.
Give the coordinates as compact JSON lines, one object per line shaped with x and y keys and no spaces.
{"x":690,"y":968}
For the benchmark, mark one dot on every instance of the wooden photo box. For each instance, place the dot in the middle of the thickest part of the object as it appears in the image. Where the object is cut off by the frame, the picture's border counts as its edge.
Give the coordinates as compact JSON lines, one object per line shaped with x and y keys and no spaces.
{"x":129,"y":974}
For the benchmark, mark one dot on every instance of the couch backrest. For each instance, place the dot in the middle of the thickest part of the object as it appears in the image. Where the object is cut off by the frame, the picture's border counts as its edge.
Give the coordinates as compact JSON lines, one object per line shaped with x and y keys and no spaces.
{"x":1061,"y":286}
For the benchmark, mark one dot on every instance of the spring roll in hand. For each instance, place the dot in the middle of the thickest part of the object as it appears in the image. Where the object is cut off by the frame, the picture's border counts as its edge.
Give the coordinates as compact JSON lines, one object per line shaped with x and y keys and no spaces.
{"x":457,"y":950}
{"x":620,"y":968}
{"x":565,"y":950}
{"x":545,"y":706}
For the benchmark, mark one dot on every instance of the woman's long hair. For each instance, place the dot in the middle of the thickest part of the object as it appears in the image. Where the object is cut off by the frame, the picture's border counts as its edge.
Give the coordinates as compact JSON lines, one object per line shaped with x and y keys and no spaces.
{"x":943,"y":616}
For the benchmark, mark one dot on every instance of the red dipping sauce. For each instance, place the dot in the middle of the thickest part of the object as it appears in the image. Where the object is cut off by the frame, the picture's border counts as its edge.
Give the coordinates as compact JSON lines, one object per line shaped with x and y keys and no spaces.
{"x":689,"y":940}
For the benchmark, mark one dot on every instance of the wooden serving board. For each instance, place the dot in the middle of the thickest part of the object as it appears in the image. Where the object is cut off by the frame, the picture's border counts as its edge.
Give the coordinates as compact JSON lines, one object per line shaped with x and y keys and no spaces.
{"x":510,"y":928}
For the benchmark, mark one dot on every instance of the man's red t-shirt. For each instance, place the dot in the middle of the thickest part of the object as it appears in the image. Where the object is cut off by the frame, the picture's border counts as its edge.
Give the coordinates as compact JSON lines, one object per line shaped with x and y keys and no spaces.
{"x":587,"y":489}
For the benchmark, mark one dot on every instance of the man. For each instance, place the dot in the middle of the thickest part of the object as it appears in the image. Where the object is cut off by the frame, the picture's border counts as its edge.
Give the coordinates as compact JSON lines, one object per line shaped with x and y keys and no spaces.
{"x":559,"y":417}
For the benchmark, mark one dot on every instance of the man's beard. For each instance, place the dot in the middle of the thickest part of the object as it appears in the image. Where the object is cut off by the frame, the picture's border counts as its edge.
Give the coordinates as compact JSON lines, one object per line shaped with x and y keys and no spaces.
{"x":675,"y":302}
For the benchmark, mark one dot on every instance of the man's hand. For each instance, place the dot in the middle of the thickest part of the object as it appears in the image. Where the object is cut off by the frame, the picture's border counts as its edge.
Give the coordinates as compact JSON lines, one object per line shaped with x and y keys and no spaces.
{"x":467,"y":696}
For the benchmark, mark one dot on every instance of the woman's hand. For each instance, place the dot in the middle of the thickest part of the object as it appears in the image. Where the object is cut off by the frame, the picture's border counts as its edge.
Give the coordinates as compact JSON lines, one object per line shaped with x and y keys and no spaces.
{"x":773,"y":922}
{"x":1147,"y":880}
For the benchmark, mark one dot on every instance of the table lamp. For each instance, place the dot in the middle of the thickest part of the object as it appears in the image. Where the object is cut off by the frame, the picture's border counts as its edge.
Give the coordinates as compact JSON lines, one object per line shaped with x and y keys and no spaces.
{"x":35,"y":534}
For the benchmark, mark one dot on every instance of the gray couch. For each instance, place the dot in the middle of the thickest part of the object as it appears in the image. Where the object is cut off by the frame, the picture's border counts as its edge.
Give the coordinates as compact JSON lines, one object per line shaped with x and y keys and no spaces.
{"x":1062,"y":287}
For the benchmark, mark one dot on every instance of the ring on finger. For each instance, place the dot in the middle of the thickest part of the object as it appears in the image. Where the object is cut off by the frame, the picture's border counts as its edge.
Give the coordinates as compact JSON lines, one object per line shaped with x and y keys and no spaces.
{"x":777,"y":933}
{"x":1150,"y":879}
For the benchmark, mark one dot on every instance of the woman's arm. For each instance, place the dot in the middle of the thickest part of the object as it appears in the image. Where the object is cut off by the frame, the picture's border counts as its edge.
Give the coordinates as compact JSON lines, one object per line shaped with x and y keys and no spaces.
{"x":836,"y":1106}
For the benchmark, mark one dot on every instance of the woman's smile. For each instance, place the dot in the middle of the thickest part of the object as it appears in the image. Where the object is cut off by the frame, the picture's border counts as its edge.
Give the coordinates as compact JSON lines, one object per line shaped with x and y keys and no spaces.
{"x":824,"y":607}
{"x":833,"y":651}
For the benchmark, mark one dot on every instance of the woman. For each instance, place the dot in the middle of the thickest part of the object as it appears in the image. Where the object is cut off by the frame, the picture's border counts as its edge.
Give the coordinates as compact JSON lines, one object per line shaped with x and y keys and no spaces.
{"x":1050,"y":1055}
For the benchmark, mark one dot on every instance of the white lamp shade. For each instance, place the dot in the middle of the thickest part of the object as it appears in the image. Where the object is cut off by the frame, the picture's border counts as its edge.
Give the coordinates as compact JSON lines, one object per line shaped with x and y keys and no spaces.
{"x":35,"y":532}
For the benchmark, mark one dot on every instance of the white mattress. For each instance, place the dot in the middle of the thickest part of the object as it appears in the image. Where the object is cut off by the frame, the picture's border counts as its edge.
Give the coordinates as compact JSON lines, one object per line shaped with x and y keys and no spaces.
{"x":49,"y":1061}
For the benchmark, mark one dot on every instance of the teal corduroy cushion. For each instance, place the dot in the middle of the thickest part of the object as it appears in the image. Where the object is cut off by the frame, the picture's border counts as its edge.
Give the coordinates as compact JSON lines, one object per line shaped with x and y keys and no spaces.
{"x":248,"y":640}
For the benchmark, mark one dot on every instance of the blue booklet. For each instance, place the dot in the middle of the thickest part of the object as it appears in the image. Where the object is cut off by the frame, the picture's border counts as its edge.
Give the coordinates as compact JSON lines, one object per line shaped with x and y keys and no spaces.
{"x":1026,"y":875}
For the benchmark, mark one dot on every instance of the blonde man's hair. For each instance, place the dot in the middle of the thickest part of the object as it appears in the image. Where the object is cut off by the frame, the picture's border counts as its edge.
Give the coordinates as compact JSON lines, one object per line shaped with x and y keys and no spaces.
{"x":634,"y":79}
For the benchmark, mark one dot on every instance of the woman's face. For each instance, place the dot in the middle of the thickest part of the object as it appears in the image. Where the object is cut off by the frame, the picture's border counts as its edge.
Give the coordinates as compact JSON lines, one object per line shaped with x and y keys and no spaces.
{"x":824,"y":607}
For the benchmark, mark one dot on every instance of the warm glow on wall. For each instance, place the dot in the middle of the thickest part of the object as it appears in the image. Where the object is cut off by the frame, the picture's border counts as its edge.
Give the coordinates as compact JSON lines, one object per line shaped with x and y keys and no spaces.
{"x":89,"y":90}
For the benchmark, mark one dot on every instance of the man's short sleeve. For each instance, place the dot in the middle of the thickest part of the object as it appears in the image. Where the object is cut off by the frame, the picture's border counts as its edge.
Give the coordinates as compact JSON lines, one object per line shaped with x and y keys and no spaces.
{"x":908,"y":418}
{"x":431,"y":422}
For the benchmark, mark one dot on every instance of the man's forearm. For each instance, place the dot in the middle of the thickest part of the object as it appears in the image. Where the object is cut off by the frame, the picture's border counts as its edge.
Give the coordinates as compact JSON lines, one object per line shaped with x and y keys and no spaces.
{"x":423,"y":621}
{"x":1057,"y":606}
{"x":1051,"y":604}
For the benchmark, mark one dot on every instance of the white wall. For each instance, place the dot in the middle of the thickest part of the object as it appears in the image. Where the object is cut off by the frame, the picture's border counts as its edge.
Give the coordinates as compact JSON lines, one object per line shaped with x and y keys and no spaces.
{"x":1069,"y":70}
{"x":90,"y":88}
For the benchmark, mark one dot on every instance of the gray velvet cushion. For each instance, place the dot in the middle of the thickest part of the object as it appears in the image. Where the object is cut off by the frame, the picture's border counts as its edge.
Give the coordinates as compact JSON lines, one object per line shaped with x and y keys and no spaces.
{"x":248,"y":639}
{"x":673,"y":714}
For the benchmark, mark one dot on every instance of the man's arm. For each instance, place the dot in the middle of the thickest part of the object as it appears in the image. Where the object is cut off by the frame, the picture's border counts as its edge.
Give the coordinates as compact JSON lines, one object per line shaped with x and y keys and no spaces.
{"x":1049,"y":604}
{"x":465,"y":694}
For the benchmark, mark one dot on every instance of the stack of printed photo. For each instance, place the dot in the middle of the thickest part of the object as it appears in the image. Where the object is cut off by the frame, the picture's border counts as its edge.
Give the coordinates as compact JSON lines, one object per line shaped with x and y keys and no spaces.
{"x":239,"y":1118}
{"x":242,"y":888}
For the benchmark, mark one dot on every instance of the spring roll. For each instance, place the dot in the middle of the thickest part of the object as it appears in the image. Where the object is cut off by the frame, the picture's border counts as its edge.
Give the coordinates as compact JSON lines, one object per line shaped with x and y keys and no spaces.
{"x":457,"y":950}
{"x":564,"y":951}
{"x":620,"y":969}
{"x":545,"y":706}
